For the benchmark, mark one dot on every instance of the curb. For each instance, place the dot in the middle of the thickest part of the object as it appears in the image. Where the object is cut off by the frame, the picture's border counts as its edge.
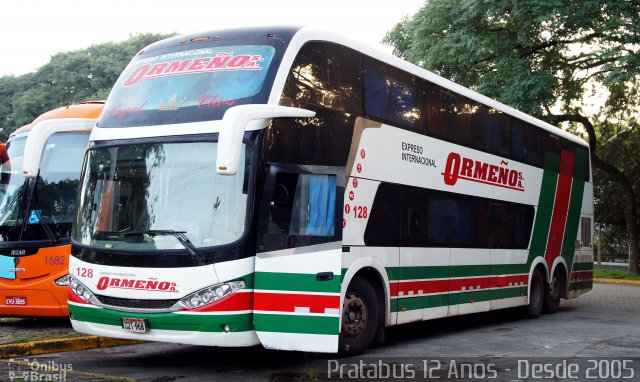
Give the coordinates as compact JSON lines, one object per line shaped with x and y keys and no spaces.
{"x":60,"y":345}
{"x":617,"y":281}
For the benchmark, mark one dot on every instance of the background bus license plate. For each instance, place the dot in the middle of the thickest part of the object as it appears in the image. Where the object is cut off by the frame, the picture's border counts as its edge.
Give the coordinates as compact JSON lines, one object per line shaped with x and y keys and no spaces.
{"x":15,"y":300}
{"x":135,"y":325}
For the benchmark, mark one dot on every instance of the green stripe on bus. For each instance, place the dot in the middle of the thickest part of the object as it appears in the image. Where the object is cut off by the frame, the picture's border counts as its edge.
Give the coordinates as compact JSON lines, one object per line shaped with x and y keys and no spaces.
{"x":508,"y":269}
{"x":544,"y":210}
{"x":577,"y":285}
{"x":295,"y":282}
{"x":287,"y":323}
{"x":248,"y":280}
{"x":445,"y":272}
{"x":573,"y":221}
{"x":424,"y":302}
{"x":166,"y":321}
{"x":393,"y":273}
{"x":588,"y":266}
{"x":488,"y":295}
{"x":552,"y":162}
{"x":581,"y":163}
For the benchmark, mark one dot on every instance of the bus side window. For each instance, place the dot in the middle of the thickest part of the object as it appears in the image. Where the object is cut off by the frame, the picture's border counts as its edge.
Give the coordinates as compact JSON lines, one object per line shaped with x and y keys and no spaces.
{"x":314,"y":205}
{"x":302,"y":211}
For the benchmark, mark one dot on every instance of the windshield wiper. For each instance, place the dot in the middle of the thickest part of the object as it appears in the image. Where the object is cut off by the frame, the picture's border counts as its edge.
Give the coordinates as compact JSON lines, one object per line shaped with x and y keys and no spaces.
{"x":179,"y":235}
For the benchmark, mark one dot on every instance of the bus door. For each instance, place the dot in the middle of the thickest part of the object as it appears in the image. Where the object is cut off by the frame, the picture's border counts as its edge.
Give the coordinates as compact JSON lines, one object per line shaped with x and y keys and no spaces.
{"x":298,"y":259}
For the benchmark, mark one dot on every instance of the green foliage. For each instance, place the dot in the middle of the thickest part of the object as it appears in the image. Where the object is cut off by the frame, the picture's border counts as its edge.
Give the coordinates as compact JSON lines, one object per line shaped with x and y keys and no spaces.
{"x":530,"y":54}
{"x":69,"y":77}
{"x":619,"y":146}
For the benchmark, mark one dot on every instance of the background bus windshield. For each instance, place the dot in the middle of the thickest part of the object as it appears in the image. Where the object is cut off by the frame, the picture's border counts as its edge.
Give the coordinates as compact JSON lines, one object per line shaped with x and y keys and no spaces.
{"x":42,"y":210}
{"x":188,"y":85}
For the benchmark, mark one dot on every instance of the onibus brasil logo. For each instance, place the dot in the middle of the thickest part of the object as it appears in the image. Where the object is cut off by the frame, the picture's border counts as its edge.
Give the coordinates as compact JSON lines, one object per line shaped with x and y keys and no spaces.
{"x":459,"y":167}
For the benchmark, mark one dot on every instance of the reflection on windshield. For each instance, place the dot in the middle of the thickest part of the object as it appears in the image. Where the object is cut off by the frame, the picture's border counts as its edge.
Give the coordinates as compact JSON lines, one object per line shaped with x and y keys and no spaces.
{"x":131,"y":193}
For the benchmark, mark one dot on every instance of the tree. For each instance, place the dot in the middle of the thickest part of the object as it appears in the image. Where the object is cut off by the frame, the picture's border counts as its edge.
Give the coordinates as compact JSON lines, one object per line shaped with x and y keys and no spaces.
{"x":574,"y":63}
{"x":69,"y":77}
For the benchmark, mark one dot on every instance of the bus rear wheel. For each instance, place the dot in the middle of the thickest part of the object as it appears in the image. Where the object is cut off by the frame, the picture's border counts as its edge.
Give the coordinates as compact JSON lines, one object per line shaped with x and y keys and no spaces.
{"x":359,"y":318}
{"x":553,"y":292}
{"x":536,"y":295}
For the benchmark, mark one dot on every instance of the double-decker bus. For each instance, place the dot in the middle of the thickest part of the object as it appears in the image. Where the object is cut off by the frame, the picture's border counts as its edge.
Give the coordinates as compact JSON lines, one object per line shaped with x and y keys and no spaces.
{"x":40,"y":172}
{"x":293,"y":188}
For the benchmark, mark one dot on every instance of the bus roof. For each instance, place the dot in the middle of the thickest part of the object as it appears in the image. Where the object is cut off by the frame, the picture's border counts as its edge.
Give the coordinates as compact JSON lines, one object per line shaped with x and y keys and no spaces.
{"x":282,"y":33}
{"x":89,"y":110}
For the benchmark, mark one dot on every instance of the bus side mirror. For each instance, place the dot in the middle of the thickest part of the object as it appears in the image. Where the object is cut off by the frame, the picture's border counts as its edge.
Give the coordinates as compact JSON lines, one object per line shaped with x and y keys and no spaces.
{"x":237,"y":120}
{"x":38,"y":136}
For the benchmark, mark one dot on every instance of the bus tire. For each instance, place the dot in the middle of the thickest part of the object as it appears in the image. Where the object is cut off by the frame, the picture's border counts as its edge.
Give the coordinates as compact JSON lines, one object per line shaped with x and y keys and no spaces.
{"x":360,"y":318}
{"x":553,"y":292}
{"x":536,"y":295}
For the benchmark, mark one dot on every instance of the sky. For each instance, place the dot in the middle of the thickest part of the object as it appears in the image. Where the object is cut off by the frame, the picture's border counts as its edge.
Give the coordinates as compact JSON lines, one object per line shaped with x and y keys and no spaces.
{"x":31,"y":31}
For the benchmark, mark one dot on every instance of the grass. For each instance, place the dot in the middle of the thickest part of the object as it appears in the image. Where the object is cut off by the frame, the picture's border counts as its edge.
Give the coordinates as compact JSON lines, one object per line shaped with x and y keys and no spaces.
{"x":607,"y":273}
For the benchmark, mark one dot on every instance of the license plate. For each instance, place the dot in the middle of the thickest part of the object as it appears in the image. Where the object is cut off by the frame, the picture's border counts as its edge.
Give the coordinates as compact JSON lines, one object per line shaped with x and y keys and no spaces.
{"x":135,"y":325}
{"x":15,"y":300}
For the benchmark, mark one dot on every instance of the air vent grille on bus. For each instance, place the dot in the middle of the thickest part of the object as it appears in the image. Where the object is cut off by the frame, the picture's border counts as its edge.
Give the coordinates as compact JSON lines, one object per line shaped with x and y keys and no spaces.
{"x":136,"y":304}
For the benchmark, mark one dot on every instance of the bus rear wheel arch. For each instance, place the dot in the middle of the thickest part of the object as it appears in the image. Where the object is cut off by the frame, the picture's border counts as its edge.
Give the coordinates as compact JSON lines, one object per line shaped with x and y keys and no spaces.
{"x":360,"y":317}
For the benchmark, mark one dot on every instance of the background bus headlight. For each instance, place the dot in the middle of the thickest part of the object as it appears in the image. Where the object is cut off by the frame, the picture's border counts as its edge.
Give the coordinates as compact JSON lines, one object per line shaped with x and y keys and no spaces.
{"x":62,"y":281}
{"x":211,"y":294}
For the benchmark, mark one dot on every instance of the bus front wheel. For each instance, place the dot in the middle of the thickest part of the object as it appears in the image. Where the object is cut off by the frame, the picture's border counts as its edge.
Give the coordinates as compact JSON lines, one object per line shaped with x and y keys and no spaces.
{"x":359,"y":318}
{"x":536,"y":294}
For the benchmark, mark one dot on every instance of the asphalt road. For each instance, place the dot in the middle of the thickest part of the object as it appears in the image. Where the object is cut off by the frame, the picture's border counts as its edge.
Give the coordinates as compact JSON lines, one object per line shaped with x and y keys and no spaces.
{"x":596,"y":335}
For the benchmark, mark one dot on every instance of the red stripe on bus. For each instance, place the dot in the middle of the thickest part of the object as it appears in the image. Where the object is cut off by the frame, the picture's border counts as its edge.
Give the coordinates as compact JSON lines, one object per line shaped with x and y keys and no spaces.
{"x":469,"y":284}
{"x":426,"y":286}
{"x":288,"y":302}
{"x":504,"y":281}
{"x":581,"y":275}
{"x":560,"y":208}
{"x":455,"y":285}
{"x":235,"y":302}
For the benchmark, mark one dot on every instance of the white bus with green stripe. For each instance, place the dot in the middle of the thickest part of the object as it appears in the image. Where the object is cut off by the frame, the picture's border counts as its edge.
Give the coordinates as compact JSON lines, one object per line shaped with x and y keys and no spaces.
{"x":293,"y":188}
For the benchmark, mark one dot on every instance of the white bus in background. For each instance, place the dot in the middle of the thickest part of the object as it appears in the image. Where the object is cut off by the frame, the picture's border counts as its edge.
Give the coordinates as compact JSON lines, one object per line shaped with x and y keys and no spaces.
{"x":292,"y":188}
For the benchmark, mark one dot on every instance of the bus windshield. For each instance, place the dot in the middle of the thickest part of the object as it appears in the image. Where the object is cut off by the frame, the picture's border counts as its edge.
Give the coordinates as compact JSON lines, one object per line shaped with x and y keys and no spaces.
{"x":165,"y":196}
{"x":12,"y":183}
{"x":177,"y":85}
{"x":48,"y":206}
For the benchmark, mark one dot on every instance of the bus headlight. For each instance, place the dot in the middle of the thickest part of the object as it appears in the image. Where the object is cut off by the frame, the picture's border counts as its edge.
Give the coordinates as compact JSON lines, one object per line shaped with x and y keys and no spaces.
{"x":211,"y":294}
{"x":62,"y":281}
{"x":80,"y":290}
